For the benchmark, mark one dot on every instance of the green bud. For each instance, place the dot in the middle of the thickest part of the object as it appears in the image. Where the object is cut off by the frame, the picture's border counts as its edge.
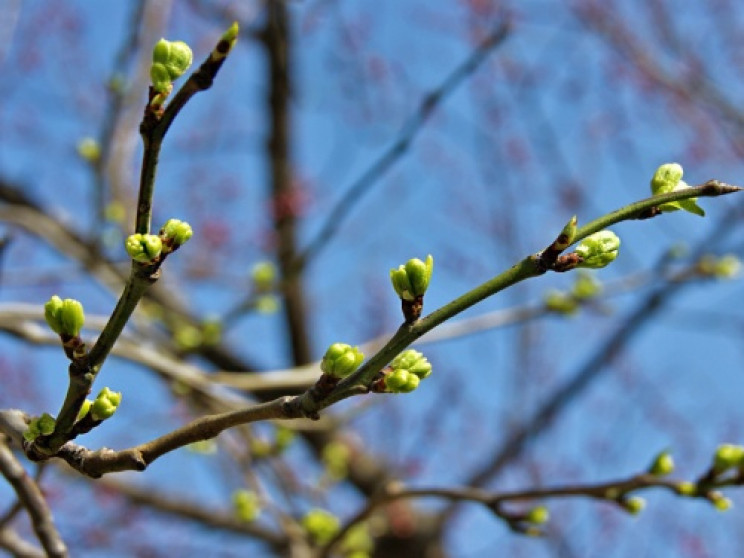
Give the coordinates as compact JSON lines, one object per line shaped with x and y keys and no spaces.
{"x":340,"y":360}
{"x":169,"y":61}
{"x":105,"y":404}
{"x":46,"y":424}
{"x":401,"y":284}
{"x":211,"y":331}
{"x":538,"y":515}
{"x":411,"y":384}
{"x":599,"y":249}
{"x":115,"y":212}
{"x":203,"y":447}
{"x":719,"y":501}
{"x":187,"y":337}
{"x":284,"y":437}
{"x":668,"y":178}
{"x":335,"y":457}
{"x":357,"y":543}
{"x":179,"y":232}
{"x":227,"y":42}
{"x":143,"y":248}
{"x":560,"y":302}
{"x":565,"y":239}
{"x":40,"y":426}
{"x":65,"y":317}
{"x":414,"y":362}
{"x":267,"y":304}
{"x":396,"y":379}
{"x":260,"y":448}
{"x":231,"y":35}
{"x":725,"y":267}
{"x":586,"y":285}
{"x":412,"y":279}
{"x":84,"y":408}
{"x":727,"y":457}
{"x":89,"y":150}
{"x":633,"y":505}
{"x":32,"y":432}
{"x":160,"y":77}
{"x":247,"y":505}
{"x":662,"y":465}
{"x":263,"y":276}
{"x":686,"y":488}
{"x":320,"y":525}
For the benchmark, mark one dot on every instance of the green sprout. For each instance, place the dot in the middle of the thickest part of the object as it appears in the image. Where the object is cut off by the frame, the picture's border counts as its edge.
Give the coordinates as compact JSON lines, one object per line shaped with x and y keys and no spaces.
{"x":65,"y":317}
{"x":175,"y":233}
{"x":105,"y":404}
{"x":321,"y":525}
{"x":662,"y":465}
{"x":668,"y":178}
{"x":246,"y":505}
{"x":340,"y":360}
{"x":144,"y":248}
{"x":406,"y":371}
{"x":40,"y":426}
{"x":599,"y":249}
{"x":170,"y":59}
{"x":412,"y":279}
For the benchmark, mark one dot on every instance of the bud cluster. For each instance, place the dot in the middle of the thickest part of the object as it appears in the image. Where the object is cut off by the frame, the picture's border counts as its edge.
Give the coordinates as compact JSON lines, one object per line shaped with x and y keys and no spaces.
{"x":340,"y":360}
{"x":411,"y":280}
{"x":170,"y":59}
{"x":406,"y":372}
{"x":65,"y":317}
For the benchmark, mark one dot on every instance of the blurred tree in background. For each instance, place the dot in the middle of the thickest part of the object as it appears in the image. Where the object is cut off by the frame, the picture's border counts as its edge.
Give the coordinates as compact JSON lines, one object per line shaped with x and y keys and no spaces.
{"x":338,"y":141}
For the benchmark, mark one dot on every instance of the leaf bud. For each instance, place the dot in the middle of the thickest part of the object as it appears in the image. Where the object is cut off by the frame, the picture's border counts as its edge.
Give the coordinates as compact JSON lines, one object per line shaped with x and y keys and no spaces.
{"x":65,"y":317}
{"x":668,"y":178}
{"x":177,"y":232}
{"x":560,"y":302}
{"x":633,"y":505}
{"x":586,"y":285}
{"x":246,"y":505}
{"x":340,"y":360}
{"x":599,"y":249}
{"x":412,"y":279}
{"x":727,"y":457}
{"x":665,"y":178}
{"x":662,"y":465}
{"x":263,"y":275}
{"x":321,"y":525}
{"x":89,"y":150}
{"x":144,"y":248}
{"x":170,"y":59}
{"x":105,"y":404}
{"x":413,"y":361}
{"x":538,"y":515}
{"x":396,"y":379}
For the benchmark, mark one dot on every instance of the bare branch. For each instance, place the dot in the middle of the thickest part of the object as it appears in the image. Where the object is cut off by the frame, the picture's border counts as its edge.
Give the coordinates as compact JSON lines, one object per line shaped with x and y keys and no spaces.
{"x":33,"y":501}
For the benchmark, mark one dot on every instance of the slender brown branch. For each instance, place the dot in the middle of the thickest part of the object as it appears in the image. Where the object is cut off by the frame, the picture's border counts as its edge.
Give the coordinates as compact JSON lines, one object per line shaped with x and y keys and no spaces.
{"x":30,"y":496}
{"x":13,"y":543}
{"x":97,"y":463}
{"x":277,"y":41}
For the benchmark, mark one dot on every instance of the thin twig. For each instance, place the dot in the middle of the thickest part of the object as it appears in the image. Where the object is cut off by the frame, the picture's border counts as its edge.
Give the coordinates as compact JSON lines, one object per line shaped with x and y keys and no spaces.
{"x":33,"y":501}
